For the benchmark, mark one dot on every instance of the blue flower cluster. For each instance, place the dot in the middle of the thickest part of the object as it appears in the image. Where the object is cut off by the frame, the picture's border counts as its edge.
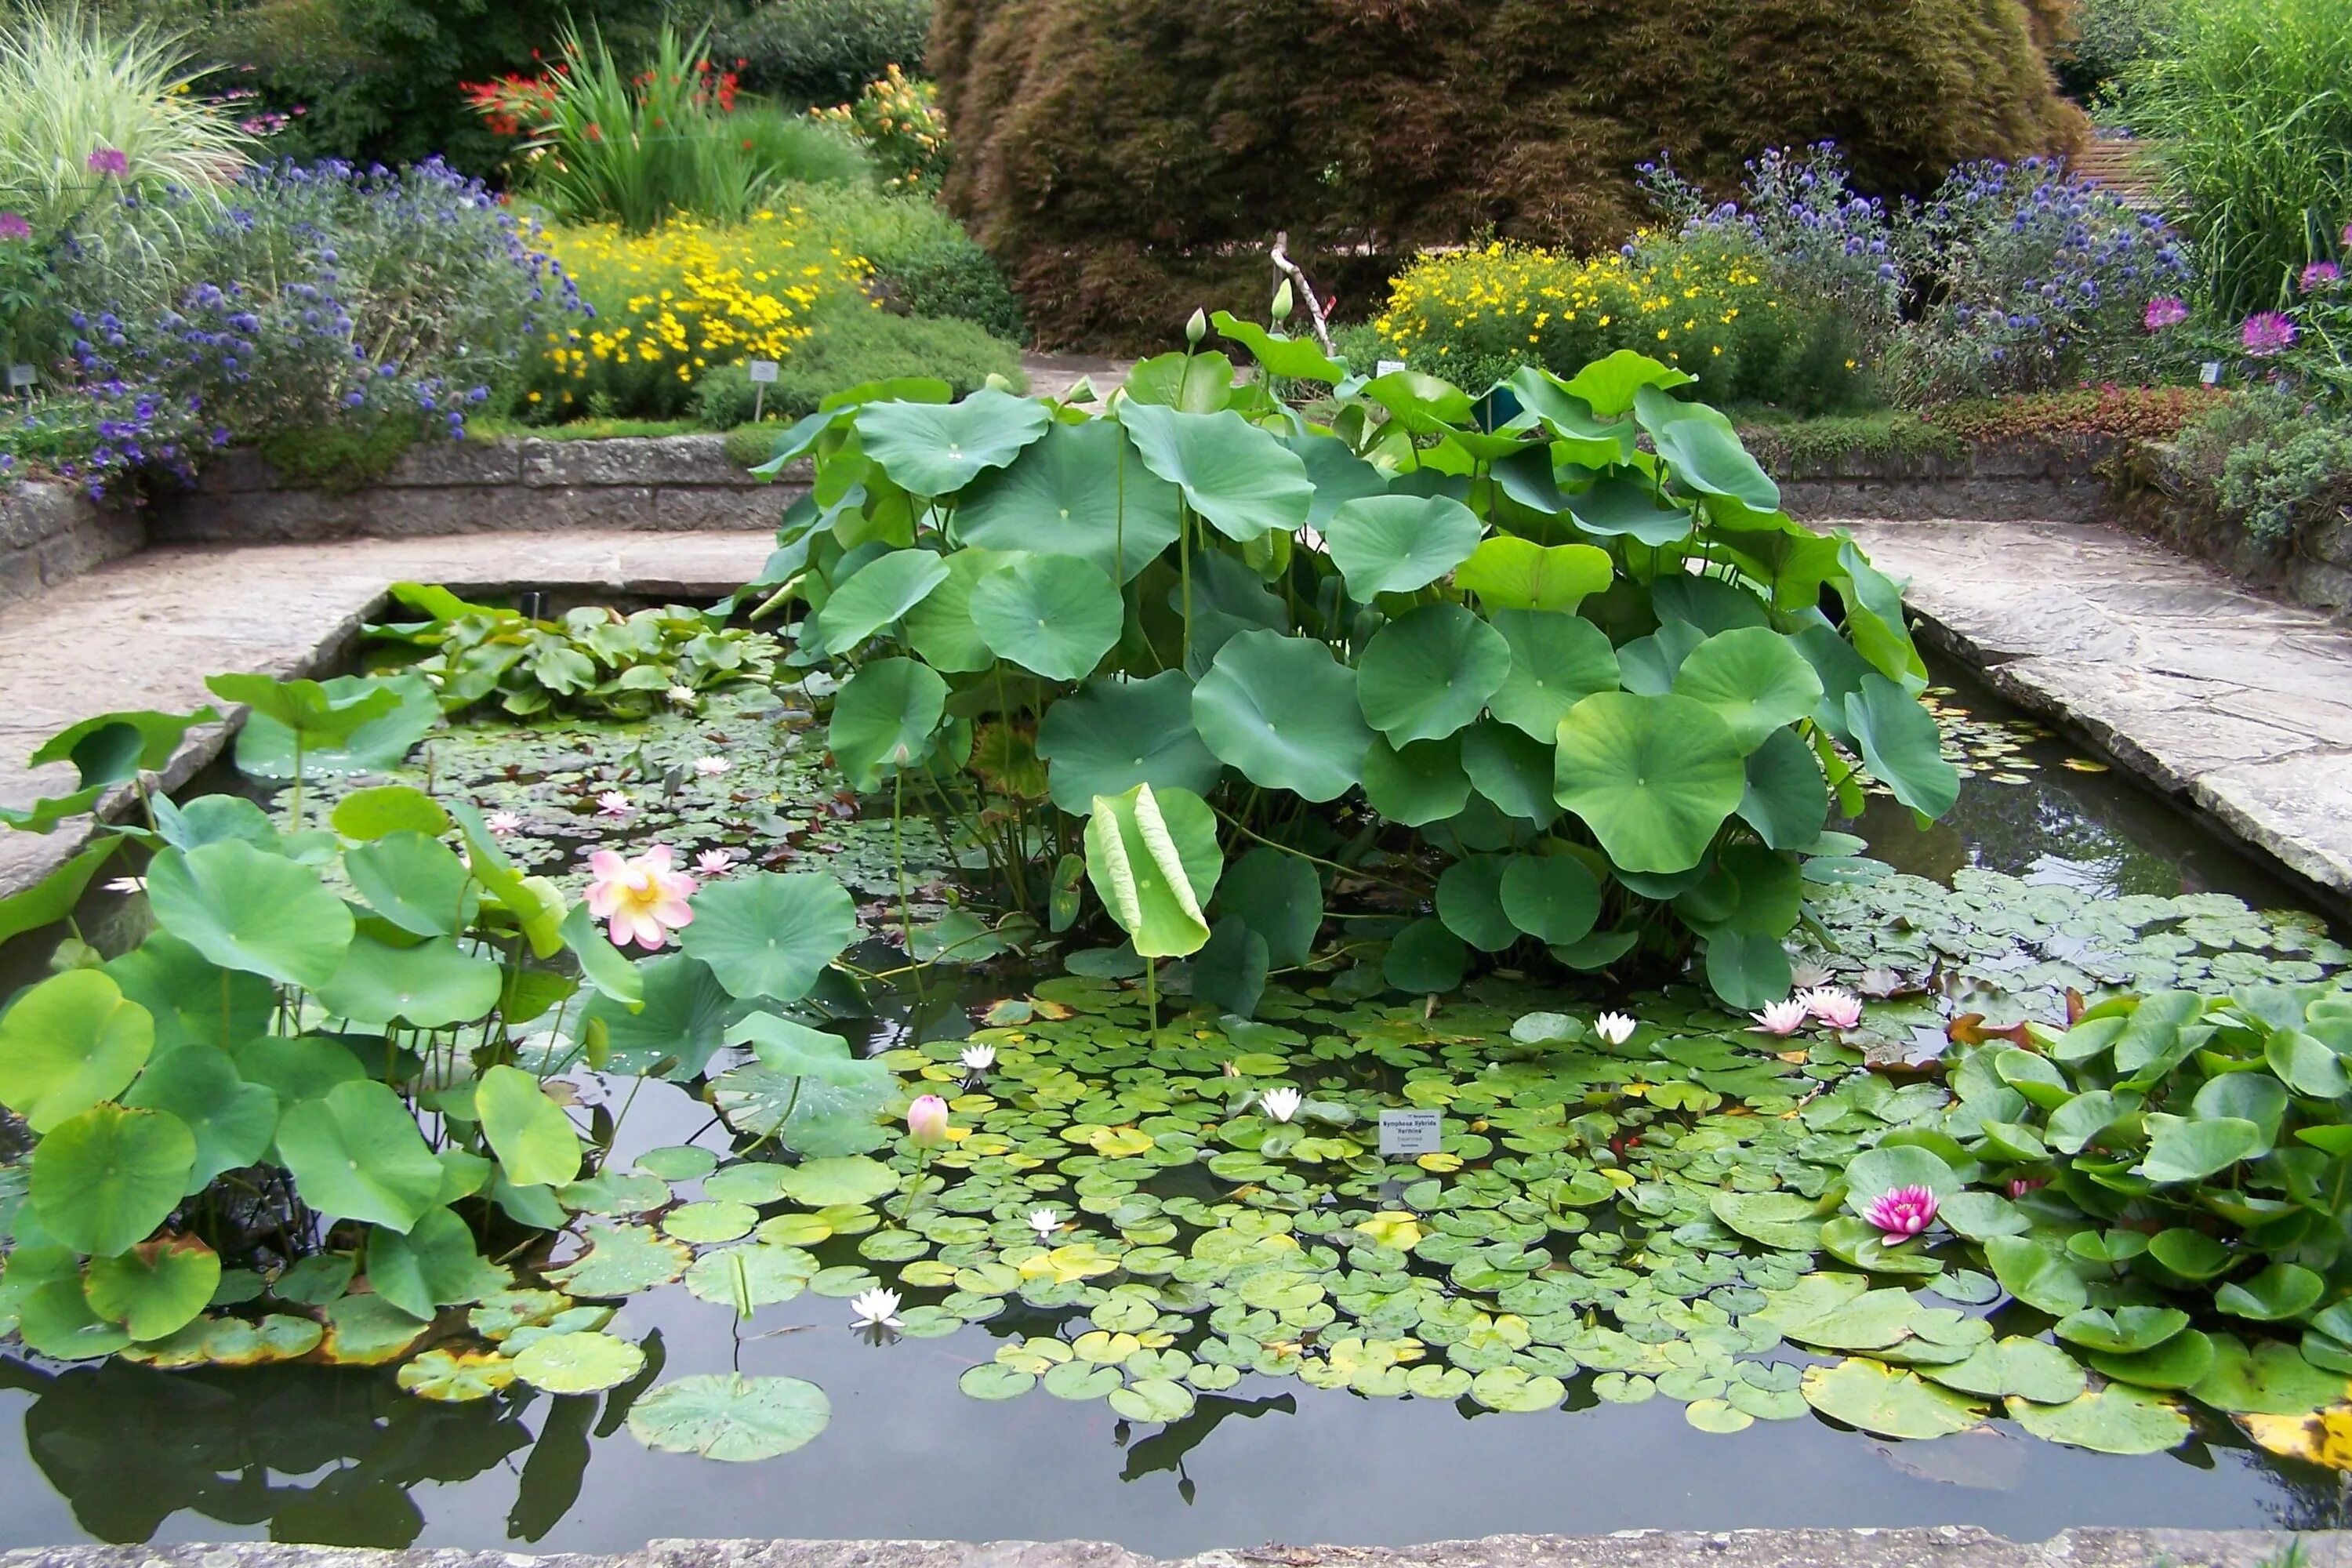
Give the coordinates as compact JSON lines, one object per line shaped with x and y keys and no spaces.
{"x":303,"y":298}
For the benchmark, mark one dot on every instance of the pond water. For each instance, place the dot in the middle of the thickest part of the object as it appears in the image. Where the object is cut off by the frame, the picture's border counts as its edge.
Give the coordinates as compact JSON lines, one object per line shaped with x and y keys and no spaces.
{"x":121,"y":1453}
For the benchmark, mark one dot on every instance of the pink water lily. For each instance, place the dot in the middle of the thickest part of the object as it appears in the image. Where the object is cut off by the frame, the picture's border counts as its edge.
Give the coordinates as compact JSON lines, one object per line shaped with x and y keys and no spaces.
{"x":615,"y":803}
{"x":1781,"y":1017}
{"x":1902,"y":1213}
{"x":2021,"y":1185}
{"x":503,"y":824}
{"x":1829,"y":1005}
{"x":641,"y":900}
{"x":714,"y":863}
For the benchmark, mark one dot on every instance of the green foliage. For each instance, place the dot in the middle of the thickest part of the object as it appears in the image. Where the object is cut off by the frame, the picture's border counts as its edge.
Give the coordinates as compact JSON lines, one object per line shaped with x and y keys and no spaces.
{"x":852,"y":349}
{"x":1108,"y":157}
{"x":336,"y":458}
{"x":1198,"y":596}
{"x":2246,"y":103}
{"x":2268,"y":463}
{"x":825,"y":51}
{"x":924,"y":263}
{"x":2112,"y":36}
{"x":592,"y":661}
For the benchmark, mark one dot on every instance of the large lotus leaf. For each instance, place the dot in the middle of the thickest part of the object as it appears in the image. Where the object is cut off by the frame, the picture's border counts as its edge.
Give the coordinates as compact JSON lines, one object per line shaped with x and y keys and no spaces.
{"x":102,"y":1181}
{"x":1609,"y":385}
{"x":1233,"y":473}
{"x":1153,"y":859}
{"x":1902,"y":746}
{"x":363,"y":724}
{"x":941,"y":629}
{"x":806,"y":1089}
{"x":1284,"y":712}
{"x":882,"y":718}
{"x":1787,"y":799}
{"x":1397,"y":544}
{"x":1618,"y":505}
{"x":878,"y":595}
{"x":936,"y":450}
{"x":434,"y":1265}
{"x":2117,"y":1419}
{"x":1067,"y":496}
{"x":157,"y":1287}
{"x":1337,"y":475}
{"x":770,"y":934}
{"x":247,"y":910}
{"x":415,"y":882}
{"x":1427,"y":673}
{"x":1652,"y":777}
{"x":532,"y":1138}
{"x":68,"y":1043}
{"x":1582,"y":437}
{"x":536,"y":906}
{"x":1511,"y":770}
{"x":1552,"y":897}
{"x":1508,"y":572}
{"x":1754,"y":680}
{"x":1703,"y":450}
{"x":728,"y":1416}
{"x":53,"y":898}
{"x":1425,"y":959}
{"x":430,"y":985}
{"x":1055,"y":615}
{"x":232,"y":1121}
{"x":369,"y":814}
{"x":1470,"y":903}
{"x":1888,"y":1402}
{"x":1874,"y":620}
{"x":1421,"y":784}
{"x":1557,"y":661}
{"x":111,"y":748}
{"x":1197,"y":382}
{"x":1280,"y":896}
{"x":1293,"y":359}
{"x":1115,"y":733}
{"x":685,"y":1011}
{"x":853,"y":1179}
{"x":354,"y":1153}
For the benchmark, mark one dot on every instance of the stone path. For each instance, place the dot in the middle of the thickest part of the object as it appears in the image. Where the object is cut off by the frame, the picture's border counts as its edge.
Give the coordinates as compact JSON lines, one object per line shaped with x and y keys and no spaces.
{"x":145,"y":631}
{"x":2236,"y":704}
{"x":1053,"y":375}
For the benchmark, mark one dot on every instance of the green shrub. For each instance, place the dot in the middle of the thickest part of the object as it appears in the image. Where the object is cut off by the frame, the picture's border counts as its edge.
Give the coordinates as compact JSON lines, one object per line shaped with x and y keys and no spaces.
{"x":2268,"y":462}
{"x":2250,"y":107}
{"x":852,"y":349}
{"x":2111,"y":37}
{"x":924,"y":263}
{"x":824,"y":51}
{"x":1129,"y":163}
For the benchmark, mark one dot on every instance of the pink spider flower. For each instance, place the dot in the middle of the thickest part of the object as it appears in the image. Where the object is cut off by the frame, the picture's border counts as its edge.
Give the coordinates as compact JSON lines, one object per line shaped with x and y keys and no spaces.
{"x":1829,"y":1005}
{"x":641,"y":900}
{"x":13,"y":225}
{"x":2266,"y":332}
{"x":2321,"y":275}
{"x":1781,"y":1017}
{"x":108,"y":161}
{"x":1902,"y":1213}
{"x":2163,"y":311}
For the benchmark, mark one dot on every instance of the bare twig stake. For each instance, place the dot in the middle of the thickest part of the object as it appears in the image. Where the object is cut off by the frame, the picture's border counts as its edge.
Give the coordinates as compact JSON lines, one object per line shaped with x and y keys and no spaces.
{"x":1283,"y":264}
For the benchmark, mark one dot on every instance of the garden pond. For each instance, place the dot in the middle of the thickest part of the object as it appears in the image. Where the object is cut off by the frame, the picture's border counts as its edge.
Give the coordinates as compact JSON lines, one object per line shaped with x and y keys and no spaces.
{"x":1230,"y":1326}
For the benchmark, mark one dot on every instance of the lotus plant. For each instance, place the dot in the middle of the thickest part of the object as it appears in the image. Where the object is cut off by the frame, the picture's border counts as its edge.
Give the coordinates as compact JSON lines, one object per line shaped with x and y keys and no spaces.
{"x":640,"y":900}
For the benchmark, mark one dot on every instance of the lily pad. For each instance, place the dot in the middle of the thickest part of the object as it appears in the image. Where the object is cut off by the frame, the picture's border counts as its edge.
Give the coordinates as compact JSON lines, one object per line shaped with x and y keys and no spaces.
{"x":622,"y":1260}
{"x":2117,"y":1419}
{"x":579,"y":1363}
{"x":1892,"y":1403}
{"x":729,"y":1417}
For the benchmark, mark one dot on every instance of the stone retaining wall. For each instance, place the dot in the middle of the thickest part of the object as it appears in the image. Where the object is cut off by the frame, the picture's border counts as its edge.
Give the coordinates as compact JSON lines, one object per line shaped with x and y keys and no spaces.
{"x":665,"y":484}
{"x":49,"y":533}
{"x":2312,"y":569}
{"x":2052,"y":479}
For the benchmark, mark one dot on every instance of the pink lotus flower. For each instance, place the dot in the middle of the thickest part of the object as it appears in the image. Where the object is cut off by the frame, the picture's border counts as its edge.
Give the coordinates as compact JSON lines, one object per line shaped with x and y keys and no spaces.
{"x":613,"y":803}
{"x":108,"y":161}
{"x":926,"y":1121}
{"x":2321,"y":275}
{"x":2266,"y":332}
{"x":714,"y":863}
{"x":1781,"y":1017}
{"x":2163,"y":311}
{"x":14,"y":226}
{"x":1902,"y":1213}
{"x":504,"y":823}
{"x":1838,"y":1009}
{"x":640,"y":900}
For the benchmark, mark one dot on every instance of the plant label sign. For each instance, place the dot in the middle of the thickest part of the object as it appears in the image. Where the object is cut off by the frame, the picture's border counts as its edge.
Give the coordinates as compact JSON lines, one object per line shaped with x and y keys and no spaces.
{"x":21,"y":375}
{"x":761,"y":370}
{"x":2212,"y":372}
{"x":1411,"y":1131}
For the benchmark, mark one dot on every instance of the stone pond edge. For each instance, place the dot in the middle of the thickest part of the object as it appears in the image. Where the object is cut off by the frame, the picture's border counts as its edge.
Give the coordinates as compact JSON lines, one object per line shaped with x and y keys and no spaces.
{"x":1939,"y":1546}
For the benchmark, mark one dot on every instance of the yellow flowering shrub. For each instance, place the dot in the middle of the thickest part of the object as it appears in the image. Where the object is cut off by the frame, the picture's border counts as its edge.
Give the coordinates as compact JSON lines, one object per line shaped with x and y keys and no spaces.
{"x":1474,"y":315}
{"x":672,"y":303}
{"x":898,"y":118}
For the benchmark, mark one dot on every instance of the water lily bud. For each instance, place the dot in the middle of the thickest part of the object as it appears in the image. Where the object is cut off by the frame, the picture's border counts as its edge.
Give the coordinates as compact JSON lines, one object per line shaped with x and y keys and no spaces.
{"x":1282,"y":302}
{"x":926,"y":1121}
{"x":1195,"y":328}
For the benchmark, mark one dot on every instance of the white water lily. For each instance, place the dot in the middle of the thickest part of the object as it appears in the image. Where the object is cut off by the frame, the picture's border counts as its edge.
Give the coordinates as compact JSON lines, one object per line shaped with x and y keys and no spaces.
{"x":1781,"y":1017}
{"x":1282,"y":1103}
{"x":1614,"y":1027}
{"x":875,"y":1309}
{"x":681,"y":695}
{"x":1045,"y":1222}
{"x":710,"y":767}
{"x":978,"y":1058}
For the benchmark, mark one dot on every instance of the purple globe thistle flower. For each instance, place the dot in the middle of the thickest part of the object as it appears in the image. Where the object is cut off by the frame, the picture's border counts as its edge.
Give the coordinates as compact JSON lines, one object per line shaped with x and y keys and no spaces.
{"x":2266,"y":332}
{"x":14,"y":226}
{"x":1901,"y":1212}
{"x":2163,"y":311}
{"x":2321,"y":275}
{"x":108,"y":161}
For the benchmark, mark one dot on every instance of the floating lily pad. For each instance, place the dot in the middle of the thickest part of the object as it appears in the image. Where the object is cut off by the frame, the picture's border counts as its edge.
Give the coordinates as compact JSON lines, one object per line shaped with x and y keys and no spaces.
{"x":2117,"y":1419}
{"x":1892,"y":1403}
{"x":457,"y":1377}
{"x":622,"y":1260}
{"x":578,"y":1363}
{"x":727,"y":1415}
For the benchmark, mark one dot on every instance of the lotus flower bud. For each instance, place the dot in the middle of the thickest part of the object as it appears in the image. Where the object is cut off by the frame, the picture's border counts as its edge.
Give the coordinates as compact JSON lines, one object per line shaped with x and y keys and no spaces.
{"x":1282,"y":302}
{"x":927,"y":1121}
{"x":1196,"y":328}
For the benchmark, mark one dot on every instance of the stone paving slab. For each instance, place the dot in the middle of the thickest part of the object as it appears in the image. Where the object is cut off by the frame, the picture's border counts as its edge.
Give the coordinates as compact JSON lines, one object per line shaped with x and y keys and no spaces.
{"x":2236,"y":704}
{"x":1941,"y":1546}
{"x":144,"y":632}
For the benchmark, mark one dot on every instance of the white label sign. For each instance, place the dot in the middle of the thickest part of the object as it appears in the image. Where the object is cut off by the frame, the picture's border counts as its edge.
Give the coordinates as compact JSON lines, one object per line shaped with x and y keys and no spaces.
{"x":1411,"y":1131}
{"x":1387,"y":366}
{"x":763,"y":369}
{"x":2212,"y":375}
{"x":22,"y":375}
